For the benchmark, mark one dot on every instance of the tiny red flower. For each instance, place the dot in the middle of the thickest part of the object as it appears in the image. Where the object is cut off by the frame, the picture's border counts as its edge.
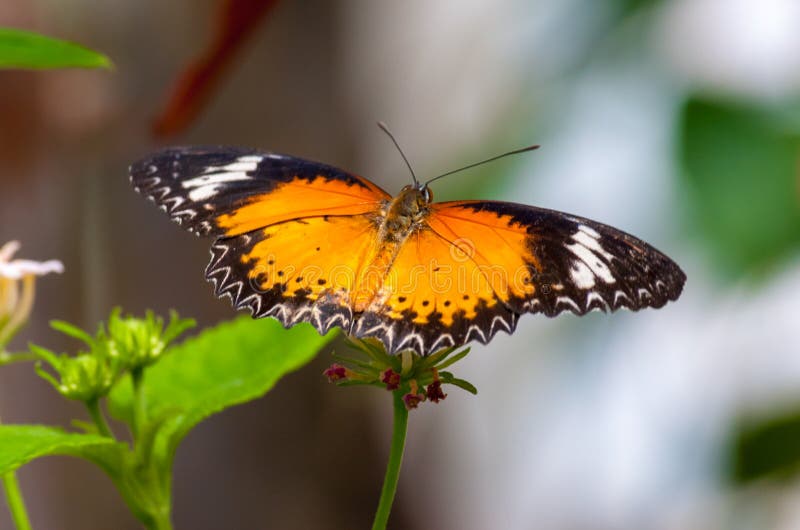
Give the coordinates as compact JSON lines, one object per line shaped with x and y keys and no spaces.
{"x":336,"y":372}
{"x":391,"y":378}
{"x":412,"y":400}
{"x":434,"y":391}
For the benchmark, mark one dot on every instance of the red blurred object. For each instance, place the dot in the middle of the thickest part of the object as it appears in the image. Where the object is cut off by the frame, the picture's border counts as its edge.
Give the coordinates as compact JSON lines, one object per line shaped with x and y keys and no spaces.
{"x":195,"y":86}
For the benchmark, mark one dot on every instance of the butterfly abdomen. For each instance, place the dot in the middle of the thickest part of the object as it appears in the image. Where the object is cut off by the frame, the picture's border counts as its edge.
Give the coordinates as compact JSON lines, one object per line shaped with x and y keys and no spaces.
{"x":404,"y":215}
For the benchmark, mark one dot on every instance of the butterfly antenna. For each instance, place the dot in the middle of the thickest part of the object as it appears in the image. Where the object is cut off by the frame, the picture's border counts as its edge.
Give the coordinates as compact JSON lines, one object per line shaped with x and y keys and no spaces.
{"x":492,"y":159}
{"x":385,"y":129}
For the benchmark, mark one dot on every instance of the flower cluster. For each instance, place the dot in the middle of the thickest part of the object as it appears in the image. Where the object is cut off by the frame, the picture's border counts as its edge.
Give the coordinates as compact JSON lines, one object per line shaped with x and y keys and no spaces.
{"x":17,"y":290}
{"x":129,"y":344}
{"x":418,"y":378}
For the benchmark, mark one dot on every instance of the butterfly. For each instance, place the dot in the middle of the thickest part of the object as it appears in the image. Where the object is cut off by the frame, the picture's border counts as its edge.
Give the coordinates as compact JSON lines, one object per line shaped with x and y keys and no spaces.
{"x":302,"y":241}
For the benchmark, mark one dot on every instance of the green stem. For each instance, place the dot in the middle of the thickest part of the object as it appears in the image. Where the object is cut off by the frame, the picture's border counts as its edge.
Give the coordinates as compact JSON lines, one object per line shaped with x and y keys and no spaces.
{"x":16,"y":506}
{"x":160,"y":522}
{"x":97,"y":417}
{"x":143,"y":497}
{"x":399,"y":429}
{"x":137,"y":374}
{"x":8,"y":358}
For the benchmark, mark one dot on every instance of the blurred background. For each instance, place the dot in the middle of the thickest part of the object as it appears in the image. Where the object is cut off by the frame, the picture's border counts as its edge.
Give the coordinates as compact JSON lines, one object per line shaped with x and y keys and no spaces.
{"x":676,"y":120}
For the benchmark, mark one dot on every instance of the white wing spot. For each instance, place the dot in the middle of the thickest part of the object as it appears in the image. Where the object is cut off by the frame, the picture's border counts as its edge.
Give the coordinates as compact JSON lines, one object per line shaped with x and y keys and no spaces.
{"x":592,"y":244}
{"x":582,"y":275}
{"x":203,"y":193}
{"x":241,"y":165}
{"x":589,"y":230}
{"x":595,"y":264}
{"x":569,"y":302}
{"x":591,"y":297}
{"x":619,"y":295}
{"x":215,"y":178}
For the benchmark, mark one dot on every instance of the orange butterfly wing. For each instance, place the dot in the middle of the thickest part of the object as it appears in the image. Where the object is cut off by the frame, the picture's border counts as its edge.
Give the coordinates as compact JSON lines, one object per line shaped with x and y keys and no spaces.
{"x":296,"y":271}
{"x":291,"y":234}
{"x":229,"y":191}
{"x":477,"y":265}
{"x":434,"y":296}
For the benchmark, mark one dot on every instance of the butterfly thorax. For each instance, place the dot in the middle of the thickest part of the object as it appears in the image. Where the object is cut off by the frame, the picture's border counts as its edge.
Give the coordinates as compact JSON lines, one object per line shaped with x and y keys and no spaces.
{"x":404,"y":213}
{"x":401,"y":217}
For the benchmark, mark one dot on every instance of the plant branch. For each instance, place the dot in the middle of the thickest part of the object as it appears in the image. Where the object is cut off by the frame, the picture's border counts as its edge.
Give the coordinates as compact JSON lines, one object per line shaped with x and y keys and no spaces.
{"x":137,"y":375}
{"x":97,"y":416}
{"x":16,"y":506}
{"x":161,"y":522}
{"x":399,"y":428}
{"x":9,"y":358}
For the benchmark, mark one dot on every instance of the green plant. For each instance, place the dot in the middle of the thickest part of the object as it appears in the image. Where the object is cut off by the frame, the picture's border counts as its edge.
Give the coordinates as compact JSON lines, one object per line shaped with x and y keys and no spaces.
{"x":28,"y":50}
{"x":158,"y":390}
{"x":132,"y":368}
{"x":412,"y":380}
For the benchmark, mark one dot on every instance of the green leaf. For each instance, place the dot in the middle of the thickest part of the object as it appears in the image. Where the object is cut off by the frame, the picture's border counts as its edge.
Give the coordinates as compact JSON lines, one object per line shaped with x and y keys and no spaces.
{"x":375,"y":350}
{"x":767,"y":447}
{"x":450,"y":379}
{"x":19,"y":444}
{"x":742,"y":170}
{"x":435,"y":358}
{"x":232,"y":363}
{"x":72,"y":331}
{"x":454,"y":359}
{"x":25,"y":49}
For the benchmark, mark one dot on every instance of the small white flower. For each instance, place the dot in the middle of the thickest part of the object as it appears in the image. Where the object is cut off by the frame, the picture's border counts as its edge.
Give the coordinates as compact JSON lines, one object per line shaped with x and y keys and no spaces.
{"x":19,"y":268}
{"x":17,"y":288}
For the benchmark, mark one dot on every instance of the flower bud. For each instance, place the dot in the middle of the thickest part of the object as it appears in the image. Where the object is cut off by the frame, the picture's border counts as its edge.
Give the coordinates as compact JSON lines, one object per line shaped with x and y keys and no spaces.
{"x":434,"y":391}
{"x":391,"y":378}
{"x":335,"y":372}
{"x":413,"y":400}
{"x":84,"y":377}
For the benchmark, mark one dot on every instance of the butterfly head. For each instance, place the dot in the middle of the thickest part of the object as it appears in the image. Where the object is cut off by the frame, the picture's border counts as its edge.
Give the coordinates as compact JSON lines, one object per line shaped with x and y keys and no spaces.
{"x":410,"y":205}
{"x":416,"y":196}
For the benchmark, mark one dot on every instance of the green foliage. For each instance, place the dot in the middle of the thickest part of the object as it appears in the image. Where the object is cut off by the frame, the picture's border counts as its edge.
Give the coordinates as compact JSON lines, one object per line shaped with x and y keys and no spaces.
{"x":161,"y":392}
{"x":141,"y":342}
{"x":28,"y":50}
{"x":407,"y":372}
{"x":768,"y":447}
{"x":412,"y":379}
{"x":629,"y":7}
{"x":83,"y":377}
{"x":743,"y":183}
{"x":450,"y":379}
{"x":230,"y":364}
{"x":19,"y":444}
{"x":129,"y":344}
